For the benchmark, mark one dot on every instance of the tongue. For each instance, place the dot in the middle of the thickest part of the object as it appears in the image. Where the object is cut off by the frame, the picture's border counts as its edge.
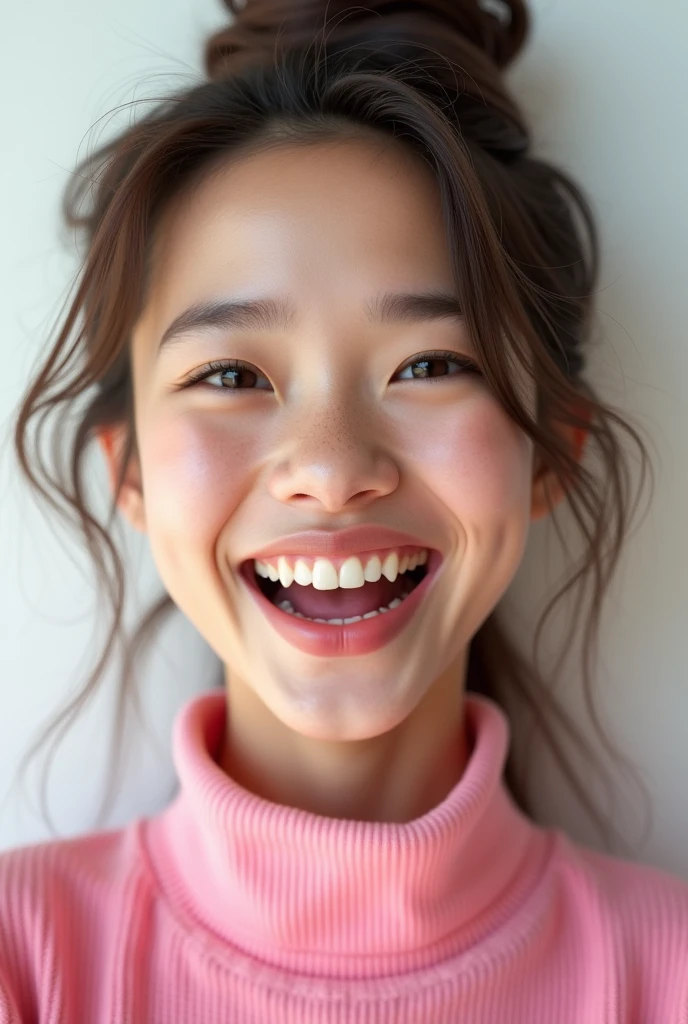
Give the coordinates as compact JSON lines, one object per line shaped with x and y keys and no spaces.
{"x":341,"y":603}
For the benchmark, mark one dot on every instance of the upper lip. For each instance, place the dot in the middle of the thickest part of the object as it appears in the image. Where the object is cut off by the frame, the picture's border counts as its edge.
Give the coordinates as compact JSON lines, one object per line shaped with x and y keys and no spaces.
{"x":338,"y":543}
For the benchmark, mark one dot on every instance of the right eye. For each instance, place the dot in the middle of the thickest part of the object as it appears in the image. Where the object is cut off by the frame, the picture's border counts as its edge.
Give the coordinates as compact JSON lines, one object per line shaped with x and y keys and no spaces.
{"x":235,"y":372}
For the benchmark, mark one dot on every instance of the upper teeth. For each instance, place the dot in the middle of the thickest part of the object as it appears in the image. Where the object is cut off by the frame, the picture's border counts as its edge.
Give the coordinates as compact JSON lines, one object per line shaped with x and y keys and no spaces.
{"x":324,"y":575}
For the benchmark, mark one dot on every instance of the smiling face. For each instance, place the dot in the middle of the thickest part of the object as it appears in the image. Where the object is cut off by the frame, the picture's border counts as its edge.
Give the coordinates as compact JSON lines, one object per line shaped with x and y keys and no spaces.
{"x":328,"y":427}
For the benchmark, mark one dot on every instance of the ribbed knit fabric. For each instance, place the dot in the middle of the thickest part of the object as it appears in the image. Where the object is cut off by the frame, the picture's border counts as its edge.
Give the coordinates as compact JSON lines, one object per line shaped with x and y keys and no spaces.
{"x":228,"y":909}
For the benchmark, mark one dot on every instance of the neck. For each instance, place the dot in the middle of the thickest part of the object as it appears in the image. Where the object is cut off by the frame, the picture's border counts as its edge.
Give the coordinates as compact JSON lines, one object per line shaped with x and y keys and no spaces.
{"x":394,"y":777}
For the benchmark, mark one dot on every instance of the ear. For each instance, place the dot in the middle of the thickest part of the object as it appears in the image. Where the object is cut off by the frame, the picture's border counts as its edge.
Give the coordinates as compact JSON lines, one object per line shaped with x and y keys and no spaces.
{"x":130,"y":499}
{"x":548,"y":489}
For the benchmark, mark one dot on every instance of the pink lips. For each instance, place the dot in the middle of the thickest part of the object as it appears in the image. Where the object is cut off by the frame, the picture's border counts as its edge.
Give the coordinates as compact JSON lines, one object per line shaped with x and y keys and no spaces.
{"x":338,"y":543}
{"x":350,"y":640}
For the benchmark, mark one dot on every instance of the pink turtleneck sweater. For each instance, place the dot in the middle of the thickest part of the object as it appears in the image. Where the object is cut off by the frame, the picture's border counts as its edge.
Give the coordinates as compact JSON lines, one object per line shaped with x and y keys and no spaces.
{"x":225,"y":908}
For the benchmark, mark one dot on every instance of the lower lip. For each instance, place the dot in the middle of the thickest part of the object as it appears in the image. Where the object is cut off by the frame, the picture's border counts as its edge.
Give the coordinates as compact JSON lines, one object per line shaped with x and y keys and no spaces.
{"x":350,"y":640}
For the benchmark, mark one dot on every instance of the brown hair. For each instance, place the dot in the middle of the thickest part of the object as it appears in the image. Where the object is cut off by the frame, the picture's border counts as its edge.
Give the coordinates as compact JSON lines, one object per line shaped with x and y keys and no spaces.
{"x":525,"y":257}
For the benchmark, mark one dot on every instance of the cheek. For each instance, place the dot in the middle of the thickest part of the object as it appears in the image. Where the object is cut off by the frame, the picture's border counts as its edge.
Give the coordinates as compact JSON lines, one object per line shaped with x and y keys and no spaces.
{"x":476,"y":460}
{"x":196,"y":471}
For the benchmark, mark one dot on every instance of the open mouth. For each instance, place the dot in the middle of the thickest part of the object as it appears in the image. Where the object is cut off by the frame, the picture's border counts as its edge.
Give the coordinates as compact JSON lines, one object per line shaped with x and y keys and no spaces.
{"x":341,"y":606}
{"x":343,"y":621}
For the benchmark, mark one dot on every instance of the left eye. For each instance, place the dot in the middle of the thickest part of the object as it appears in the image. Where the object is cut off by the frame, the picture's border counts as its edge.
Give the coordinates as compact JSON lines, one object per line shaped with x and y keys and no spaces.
{"x":429,"y":361}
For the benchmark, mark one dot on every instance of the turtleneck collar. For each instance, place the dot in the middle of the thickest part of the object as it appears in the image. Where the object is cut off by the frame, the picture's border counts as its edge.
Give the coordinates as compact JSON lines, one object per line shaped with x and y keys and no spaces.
{"x":362,"y":898}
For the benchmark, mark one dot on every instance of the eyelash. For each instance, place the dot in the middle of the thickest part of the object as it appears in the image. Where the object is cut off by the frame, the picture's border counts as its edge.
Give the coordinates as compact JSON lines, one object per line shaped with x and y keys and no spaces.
{"x":467,"y":366}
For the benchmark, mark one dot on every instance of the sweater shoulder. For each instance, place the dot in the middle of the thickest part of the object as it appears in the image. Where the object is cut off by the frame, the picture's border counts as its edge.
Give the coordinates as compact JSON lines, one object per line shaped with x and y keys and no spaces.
{"x":627,"y":884}
{"x":644,"y":908}
{"x":96,"y":862}
{"x":52,"y":889}
{"x":633,"y":918}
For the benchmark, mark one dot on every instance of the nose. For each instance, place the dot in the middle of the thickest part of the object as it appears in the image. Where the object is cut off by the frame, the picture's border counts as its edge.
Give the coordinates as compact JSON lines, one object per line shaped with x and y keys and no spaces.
{"x":334,"y":460}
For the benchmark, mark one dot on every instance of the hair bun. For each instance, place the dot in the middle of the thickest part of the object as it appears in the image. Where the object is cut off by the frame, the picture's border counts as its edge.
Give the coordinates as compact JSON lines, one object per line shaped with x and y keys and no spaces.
{"x":497,"y":28}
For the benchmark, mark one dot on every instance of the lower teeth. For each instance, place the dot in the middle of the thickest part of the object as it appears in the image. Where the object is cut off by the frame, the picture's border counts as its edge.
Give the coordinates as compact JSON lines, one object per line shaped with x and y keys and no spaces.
{"x":287,"y":607}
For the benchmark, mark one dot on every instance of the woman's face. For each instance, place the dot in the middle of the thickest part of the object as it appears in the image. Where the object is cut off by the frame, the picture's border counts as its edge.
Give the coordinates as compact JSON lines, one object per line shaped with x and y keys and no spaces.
{"x":328,"y":428}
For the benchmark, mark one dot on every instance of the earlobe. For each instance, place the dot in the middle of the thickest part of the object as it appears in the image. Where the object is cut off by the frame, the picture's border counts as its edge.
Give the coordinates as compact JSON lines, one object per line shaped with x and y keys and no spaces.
{"x":548,"y":490}
{"x":546,"y":494}
{"x":130,"y":499}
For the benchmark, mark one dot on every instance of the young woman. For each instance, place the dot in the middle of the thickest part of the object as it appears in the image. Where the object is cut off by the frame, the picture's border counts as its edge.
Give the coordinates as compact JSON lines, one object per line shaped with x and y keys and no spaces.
{"x":331,"y":322}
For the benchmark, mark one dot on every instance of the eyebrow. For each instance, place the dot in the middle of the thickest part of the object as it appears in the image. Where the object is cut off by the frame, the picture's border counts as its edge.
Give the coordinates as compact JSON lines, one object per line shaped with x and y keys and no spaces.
{"x":274,"y":314}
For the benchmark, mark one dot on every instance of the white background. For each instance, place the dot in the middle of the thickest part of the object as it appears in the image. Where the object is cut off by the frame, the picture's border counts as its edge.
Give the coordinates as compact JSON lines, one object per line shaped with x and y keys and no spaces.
{"x":605,"y":86}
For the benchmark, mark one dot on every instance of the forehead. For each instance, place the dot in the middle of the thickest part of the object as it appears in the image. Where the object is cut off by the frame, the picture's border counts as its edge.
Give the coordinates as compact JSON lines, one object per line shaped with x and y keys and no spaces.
{"x":315,"y":217}
{"x":328,"y":224}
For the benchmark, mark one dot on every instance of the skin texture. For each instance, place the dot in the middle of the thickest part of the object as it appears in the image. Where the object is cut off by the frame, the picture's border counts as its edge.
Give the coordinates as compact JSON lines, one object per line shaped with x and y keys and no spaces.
{"x":330,"y":437}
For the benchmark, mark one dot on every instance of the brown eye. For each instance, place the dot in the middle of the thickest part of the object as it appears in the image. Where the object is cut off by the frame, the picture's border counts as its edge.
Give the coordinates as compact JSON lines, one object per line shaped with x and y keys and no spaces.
{"x":233,"y":375}
{"x":433,"y":364}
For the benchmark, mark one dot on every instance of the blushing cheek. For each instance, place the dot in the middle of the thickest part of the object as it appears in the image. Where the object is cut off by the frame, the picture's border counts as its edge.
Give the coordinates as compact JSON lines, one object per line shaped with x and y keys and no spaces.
{"x":196,"y":471}
{"x":478,"y":463}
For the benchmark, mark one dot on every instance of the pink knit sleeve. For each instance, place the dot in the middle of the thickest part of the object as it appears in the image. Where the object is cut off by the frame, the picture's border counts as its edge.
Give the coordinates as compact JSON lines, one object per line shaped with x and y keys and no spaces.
{"x":642,"y":914}
{"x":9,"y":1011}
{"x":19,"y":868}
